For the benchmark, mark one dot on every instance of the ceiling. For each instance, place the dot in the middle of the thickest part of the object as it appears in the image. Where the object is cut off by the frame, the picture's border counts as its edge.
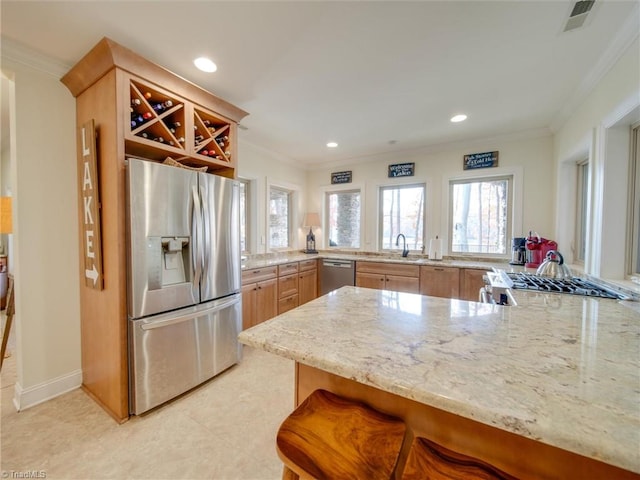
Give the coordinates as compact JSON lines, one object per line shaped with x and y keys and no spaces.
{"x":376,"y":77}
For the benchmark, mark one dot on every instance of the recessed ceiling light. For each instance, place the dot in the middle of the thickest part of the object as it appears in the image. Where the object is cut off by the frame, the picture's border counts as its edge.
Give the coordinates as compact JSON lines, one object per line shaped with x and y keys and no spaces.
{"x":204,"y":64}
{"x":458,"y":118}
{"x":332,"y":144}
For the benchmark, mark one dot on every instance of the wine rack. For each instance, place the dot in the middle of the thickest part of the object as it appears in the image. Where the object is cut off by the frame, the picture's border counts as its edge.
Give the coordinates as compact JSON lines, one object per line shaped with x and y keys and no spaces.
{"x":212,"y":136}
{"x":156,"y":116}
{"x":162,"y":124}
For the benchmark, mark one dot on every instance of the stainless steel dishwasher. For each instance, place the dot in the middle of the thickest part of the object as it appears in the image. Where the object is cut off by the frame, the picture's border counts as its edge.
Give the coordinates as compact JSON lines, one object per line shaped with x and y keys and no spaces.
{"x":336,"y":273}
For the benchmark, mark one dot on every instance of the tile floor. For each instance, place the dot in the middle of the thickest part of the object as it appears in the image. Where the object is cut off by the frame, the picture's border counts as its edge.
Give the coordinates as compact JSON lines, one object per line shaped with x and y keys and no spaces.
{"x":224,"y":429}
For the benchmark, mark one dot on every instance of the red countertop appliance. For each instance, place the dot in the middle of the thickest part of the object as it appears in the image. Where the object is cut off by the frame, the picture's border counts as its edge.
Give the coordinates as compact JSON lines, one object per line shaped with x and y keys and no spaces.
{"x":537,"y":248}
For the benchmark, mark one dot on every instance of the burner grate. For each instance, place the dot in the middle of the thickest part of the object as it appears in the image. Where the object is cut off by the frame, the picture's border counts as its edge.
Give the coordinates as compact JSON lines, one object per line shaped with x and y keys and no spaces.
{"x":573,"y":286}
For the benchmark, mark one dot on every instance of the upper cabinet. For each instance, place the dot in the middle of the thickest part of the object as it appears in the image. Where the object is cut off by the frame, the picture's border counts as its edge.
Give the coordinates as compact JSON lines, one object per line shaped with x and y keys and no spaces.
{"x":159,"y":114}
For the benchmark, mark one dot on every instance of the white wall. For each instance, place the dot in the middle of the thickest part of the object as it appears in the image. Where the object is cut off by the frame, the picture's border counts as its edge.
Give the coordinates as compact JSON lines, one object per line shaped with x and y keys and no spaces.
{"x":264,"y":168}
{"x":599,"y":129}
{"x":43,"y":171}
{"x":530,"y":158}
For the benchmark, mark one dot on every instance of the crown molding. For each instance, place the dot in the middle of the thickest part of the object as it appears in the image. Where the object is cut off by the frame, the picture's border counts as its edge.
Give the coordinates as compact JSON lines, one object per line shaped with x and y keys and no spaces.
{"x":19,"y":53}
{"x":623,"y":40}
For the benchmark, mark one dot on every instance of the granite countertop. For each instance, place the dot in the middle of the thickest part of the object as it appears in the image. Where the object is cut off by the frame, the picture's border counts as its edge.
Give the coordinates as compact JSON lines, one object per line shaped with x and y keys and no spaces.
{"x":560,"y":369}
{"x":268,"y":260}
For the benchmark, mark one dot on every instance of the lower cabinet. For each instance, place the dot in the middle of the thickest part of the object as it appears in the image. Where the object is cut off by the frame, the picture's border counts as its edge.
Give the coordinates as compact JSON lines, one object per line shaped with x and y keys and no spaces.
{"x":287,"y":286}
{"x":259,"y":302}
{"x":388,"y":276}
{"x":440,"y":281}
{"x":307,"y":281}
{"x":471,"y":282}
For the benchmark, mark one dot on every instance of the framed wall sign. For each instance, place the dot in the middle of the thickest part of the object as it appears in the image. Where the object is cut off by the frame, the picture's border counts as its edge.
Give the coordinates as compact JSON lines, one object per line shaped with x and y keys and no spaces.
{"x":480,"y":160}
{"x":341,"y":177}
{"x":402,"y":170}
{"x":90,"y":202}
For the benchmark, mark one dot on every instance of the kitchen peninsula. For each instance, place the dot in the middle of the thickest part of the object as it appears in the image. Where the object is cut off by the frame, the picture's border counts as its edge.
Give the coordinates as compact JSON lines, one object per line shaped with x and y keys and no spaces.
{"x":545,"y":389}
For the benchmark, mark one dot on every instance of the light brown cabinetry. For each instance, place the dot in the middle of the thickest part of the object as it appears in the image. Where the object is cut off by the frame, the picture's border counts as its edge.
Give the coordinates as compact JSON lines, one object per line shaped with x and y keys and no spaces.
{"x":259,"y":296}
{"x":439,"y":281}
{"x":287,"y":287}
{"x":307,"y":281}
{"x":110,"y":84}
{"x":388,"y":276}
{"x":470,"y":283}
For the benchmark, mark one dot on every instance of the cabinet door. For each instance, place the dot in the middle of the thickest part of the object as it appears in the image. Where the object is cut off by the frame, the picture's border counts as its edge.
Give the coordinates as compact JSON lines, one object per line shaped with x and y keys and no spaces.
{"x":307,"y":286}
{"x":370,"y":280}
{"x":266,"y":300}
{"x":287,"y":285}
{"x":287,"y":303}
{"x":249,"y":293}
{"x":402,"y":284}
{"x":440,"y":281}
{"x":470,"y":283}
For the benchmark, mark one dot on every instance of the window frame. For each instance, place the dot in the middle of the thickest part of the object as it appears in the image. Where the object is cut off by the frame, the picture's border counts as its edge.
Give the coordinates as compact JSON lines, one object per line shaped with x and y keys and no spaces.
{"x":633,"y":221}
{"x":583,"y":186}
{"x":291,"y":220}
{"x":514,"y":203}
{"x":334,"y":189}
{"x":248,"y":212}
{"x":380,"y":216}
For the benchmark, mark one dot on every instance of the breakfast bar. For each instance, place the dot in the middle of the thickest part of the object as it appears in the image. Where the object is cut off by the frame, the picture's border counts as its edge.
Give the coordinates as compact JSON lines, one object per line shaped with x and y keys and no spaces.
{"x":545,"y":389}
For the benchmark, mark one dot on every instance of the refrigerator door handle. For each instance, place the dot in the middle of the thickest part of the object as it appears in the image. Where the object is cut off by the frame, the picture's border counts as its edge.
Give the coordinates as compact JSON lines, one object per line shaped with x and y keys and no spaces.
{"x":206,"y":232}
{"x":196,"y":251}
{"x":221,"y":305}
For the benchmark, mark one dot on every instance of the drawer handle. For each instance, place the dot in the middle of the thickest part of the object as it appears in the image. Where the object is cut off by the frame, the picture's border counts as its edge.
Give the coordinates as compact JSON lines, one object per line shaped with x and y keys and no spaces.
{"x":439,"y":269}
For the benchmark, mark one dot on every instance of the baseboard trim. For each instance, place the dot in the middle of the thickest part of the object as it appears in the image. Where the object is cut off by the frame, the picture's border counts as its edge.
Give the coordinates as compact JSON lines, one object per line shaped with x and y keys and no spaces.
{"x":24,"y":398}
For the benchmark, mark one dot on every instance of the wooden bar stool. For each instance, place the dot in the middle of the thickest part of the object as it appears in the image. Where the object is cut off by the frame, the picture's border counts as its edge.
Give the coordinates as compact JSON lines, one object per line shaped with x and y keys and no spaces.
{"x":330,"y":437}
{"x":428,"y":460}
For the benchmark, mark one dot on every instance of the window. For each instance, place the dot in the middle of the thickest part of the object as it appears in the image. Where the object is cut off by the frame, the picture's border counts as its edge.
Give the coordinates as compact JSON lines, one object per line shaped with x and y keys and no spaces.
{"x":402,"y":211}
{"x":582,"y":198}
{"x":244,"y":215}
{"x":343,"y":218}
{"x":634,"y":237}
{"x":480,"y":219}
{"x":279,"y":218}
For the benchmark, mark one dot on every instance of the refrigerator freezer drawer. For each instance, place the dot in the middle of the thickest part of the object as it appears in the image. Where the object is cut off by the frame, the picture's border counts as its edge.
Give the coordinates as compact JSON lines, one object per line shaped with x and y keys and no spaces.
{"x":174,"y":352}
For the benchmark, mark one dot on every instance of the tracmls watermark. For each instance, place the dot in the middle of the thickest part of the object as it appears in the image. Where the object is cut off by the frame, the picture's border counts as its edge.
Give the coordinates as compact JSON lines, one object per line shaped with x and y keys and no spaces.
{"x":24,"y":474}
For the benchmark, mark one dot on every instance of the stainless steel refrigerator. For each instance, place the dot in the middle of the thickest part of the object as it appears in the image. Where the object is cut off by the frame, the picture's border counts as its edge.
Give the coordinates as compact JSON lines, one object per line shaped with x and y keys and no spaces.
{"x":184,"y":280}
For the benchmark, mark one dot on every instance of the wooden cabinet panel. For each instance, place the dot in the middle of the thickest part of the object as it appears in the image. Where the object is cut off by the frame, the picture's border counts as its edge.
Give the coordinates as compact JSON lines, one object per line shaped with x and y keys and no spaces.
{"x":470,"y":283}
{"x":388,"y":268}
{"x":388,"y":276}
{"x":287,"y":285}
{"x":287,"y":269}
{"x":440,"y":281}
{"x":259,"y":302}
{"x":287,"y":303}
{"x":249,"y":296}
{"x":308,"y":265}
{"x":370,"y":280}
{"x":402,"y":284}
{"x":257,"y":274}
{"x":307,"y":285}
{"x":266,"y":300}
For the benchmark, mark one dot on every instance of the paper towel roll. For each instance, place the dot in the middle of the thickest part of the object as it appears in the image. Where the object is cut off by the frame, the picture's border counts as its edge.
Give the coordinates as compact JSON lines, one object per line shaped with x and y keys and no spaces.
{"x":435,"y":249}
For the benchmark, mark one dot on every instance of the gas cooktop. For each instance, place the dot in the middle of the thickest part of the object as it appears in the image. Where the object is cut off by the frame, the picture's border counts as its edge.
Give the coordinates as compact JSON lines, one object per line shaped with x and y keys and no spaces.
{"x":574,"y":286}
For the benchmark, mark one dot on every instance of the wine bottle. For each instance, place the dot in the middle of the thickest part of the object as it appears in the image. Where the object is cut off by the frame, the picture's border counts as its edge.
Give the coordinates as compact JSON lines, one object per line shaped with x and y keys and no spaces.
{"x":199,"y":138}
{"x":147,"y":95}
{"x":135,"y":101}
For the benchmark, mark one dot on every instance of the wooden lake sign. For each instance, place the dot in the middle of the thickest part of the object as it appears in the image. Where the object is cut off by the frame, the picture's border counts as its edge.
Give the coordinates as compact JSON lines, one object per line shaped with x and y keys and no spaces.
{"x":341,"y":177}
{"x":480,"y":160}
{"x":90,"y":198}
{"x":402,"y":170}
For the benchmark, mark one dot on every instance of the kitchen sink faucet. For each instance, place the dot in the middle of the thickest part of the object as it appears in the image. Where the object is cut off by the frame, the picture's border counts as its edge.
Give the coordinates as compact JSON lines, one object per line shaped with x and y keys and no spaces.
{"x":405,"y":252}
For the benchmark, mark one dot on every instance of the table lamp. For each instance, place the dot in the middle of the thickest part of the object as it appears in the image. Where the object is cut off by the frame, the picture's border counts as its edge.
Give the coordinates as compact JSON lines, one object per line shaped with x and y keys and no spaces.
{"x":311,"y":220}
